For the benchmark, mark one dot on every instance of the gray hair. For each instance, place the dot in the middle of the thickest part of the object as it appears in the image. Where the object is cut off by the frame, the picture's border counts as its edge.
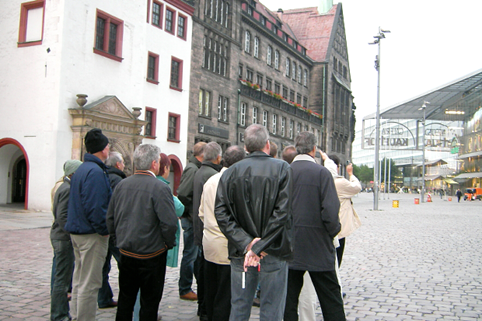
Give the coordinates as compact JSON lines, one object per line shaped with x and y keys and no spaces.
{"x":305,"y":142}
{"x":255,"y":137}
{"x":114,"y":158}
{"x":144,"y":155}
{"x":211,"y":151}
{"x":233,"y":154}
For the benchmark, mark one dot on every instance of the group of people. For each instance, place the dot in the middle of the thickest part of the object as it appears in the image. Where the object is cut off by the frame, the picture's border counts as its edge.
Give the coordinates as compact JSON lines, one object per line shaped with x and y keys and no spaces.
{"x":251,"y":222}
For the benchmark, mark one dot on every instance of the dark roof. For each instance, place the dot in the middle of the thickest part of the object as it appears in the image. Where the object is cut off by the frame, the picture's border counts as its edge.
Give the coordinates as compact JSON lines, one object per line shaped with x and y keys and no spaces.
{"x":443,"y":98}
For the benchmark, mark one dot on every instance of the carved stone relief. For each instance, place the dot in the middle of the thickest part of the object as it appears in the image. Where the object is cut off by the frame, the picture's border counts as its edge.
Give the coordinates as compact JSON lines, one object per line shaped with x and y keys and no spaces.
{"x":121,"y":126}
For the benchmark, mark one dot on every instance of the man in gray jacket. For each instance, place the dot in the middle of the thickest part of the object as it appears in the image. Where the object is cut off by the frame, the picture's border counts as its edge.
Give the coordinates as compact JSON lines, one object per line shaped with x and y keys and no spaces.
{"x":315,"y":225}
{"x":142,"y":219}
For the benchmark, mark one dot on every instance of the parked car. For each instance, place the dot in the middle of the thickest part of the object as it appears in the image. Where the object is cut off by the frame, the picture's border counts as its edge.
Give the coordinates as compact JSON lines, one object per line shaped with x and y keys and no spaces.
{"x":473,"y":194}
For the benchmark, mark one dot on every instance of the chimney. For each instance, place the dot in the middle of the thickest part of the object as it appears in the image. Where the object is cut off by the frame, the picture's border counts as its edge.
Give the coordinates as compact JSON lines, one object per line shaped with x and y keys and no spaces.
{"x":280,"y":14}
{"x":325,"y":6}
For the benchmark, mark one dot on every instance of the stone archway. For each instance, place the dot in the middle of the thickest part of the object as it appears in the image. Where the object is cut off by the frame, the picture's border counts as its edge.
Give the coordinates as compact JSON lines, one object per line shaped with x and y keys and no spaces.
{"x":8,"y":181}
{"x":122,"y":127}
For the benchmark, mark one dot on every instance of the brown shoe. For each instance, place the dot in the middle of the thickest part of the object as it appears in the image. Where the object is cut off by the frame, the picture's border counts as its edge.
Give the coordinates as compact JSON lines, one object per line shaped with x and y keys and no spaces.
{"x":190,"y":296}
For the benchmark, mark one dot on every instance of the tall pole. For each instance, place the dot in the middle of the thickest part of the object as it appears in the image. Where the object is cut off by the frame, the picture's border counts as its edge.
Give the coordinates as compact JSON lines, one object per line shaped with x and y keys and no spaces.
{"x":389,"y":175}
{"x":385,"y":176}
{"x":376,"y":183}
{"x":423,"y":154}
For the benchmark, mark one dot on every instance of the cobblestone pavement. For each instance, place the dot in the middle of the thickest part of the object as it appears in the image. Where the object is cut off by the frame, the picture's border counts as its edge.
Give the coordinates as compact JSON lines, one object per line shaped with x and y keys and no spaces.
{"x":414,"y":262}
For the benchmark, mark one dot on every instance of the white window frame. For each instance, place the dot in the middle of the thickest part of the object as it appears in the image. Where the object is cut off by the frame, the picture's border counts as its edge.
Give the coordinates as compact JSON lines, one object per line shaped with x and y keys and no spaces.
{"x":288,"y":67}
{"x":268,"y":55}
{"x":242,"y":114}
{"x":256,"y":47}
{"x":265,"y":118}
{"x":283,"y":126}
{"x":275,"y":124}
{"x":247,"y":41}
{"x":292,"y":124}
{"x":255,"y":115}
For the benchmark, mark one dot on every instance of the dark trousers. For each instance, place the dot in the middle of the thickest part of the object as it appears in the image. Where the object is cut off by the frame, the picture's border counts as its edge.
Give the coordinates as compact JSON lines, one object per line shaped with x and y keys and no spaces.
{"x":104,"y":298}
{"x":327,"y":289}
{"x":340,"y":250}
{"x":217,"y":296}
{"x":64,"y":260}
{"x":147,"y":275}
{"x":199,"y":272}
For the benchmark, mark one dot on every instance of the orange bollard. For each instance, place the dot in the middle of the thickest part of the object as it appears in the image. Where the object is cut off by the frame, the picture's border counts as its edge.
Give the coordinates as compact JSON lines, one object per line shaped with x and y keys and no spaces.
{"x":429,"y":197}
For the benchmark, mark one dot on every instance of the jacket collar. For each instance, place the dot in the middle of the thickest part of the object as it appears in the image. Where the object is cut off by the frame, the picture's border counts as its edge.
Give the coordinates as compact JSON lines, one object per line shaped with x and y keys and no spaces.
{"x":115,"y":170}
{"x":258,"y":153}
{"x":216,"y":167}
{"x":94,"y":159}
{"x":162,"y":179}
{"x":195,"y":161}
{"x":304,"y":157}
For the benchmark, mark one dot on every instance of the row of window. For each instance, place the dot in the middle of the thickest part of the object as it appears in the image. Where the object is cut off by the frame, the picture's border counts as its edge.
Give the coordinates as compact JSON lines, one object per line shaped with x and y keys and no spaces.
{"x":218,"y":10}
{"x":292,"y":69}
{"x":169,"y":15}
{"x":338,"y":66}
{"x":277,"y":125}
{"x":205,"y":105}
{"x":280,"y":128}
{"x":175,"y":81}
{"x":276,"y":27}
{"x":286,"y":93}
{"x":216,"y":56}
{"x":173,"y":126}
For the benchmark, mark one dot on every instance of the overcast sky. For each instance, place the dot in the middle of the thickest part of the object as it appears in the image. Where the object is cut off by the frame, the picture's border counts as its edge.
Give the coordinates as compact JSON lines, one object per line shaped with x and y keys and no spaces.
{"x":431,"y":43}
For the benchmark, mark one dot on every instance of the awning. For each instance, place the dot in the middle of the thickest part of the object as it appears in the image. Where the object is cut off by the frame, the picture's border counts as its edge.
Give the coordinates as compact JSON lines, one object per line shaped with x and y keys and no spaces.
{"x":450,"y":181}
{"x":475,"y":154}
{"x":469,"y":175}
{"x":429,"y":177}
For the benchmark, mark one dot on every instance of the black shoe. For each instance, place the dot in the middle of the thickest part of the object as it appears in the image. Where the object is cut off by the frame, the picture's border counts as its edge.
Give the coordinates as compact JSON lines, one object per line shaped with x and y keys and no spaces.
{"x":256,"y":302}
{"x":112,"y":304}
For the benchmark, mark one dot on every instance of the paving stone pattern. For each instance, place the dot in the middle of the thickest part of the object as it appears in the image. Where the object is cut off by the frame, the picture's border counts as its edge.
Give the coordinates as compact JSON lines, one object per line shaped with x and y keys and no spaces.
{"x":414,"y":262}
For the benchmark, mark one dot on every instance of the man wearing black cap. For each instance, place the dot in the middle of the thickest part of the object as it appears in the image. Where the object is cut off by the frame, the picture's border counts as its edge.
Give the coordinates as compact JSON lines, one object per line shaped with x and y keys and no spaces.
{"x":90,"y":194}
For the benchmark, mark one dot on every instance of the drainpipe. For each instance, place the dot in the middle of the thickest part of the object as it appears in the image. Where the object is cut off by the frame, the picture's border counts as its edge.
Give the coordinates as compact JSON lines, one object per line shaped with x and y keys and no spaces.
{"x":237,"y":116}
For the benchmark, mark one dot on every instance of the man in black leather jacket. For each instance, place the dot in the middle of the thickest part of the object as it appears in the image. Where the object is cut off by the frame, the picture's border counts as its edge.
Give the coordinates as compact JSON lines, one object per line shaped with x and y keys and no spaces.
{"x":253,"y":210}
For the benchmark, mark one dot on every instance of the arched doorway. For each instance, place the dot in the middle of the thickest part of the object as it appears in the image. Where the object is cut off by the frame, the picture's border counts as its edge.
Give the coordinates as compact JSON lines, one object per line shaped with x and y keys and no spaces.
{"x":176,"y":166}
{"x":19,"y":181}
{"x":14,"y":172}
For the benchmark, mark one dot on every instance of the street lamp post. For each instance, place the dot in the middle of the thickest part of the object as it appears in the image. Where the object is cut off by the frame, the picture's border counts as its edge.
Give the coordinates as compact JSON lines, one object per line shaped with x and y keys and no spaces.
{"x":376,"y":183}
{"x":422,"y":193}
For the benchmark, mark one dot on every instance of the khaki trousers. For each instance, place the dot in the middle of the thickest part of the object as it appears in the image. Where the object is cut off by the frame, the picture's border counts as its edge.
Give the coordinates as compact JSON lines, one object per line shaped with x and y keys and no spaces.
{"x":90,"y":251}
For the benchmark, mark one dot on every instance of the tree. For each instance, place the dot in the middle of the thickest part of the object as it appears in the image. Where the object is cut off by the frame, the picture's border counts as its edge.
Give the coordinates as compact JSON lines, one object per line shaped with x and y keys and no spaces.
{"x":363,"y":173}
{"x":391,"y":169}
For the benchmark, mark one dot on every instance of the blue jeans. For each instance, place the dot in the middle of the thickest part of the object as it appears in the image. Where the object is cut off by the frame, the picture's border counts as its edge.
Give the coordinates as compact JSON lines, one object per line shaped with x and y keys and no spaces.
{"x":104,"y":298}
{"x":189,"y":255}
{"x":64,"y":261}
{"x":273,"y":279}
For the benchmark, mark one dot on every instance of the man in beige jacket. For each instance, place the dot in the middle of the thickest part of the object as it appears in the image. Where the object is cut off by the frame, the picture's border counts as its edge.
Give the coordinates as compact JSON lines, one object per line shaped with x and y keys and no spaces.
{"x":217,"y":269}
{"x":346,"y":189}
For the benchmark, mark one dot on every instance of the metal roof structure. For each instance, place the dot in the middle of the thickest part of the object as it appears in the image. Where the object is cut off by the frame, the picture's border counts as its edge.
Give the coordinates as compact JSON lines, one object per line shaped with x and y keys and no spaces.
{"x":444,"y":102}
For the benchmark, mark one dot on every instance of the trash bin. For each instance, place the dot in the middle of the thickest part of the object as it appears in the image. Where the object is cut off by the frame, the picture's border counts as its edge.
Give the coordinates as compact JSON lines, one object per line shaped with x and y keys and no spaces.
{"x":417,"y":200}
{"x":395,"y":203}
